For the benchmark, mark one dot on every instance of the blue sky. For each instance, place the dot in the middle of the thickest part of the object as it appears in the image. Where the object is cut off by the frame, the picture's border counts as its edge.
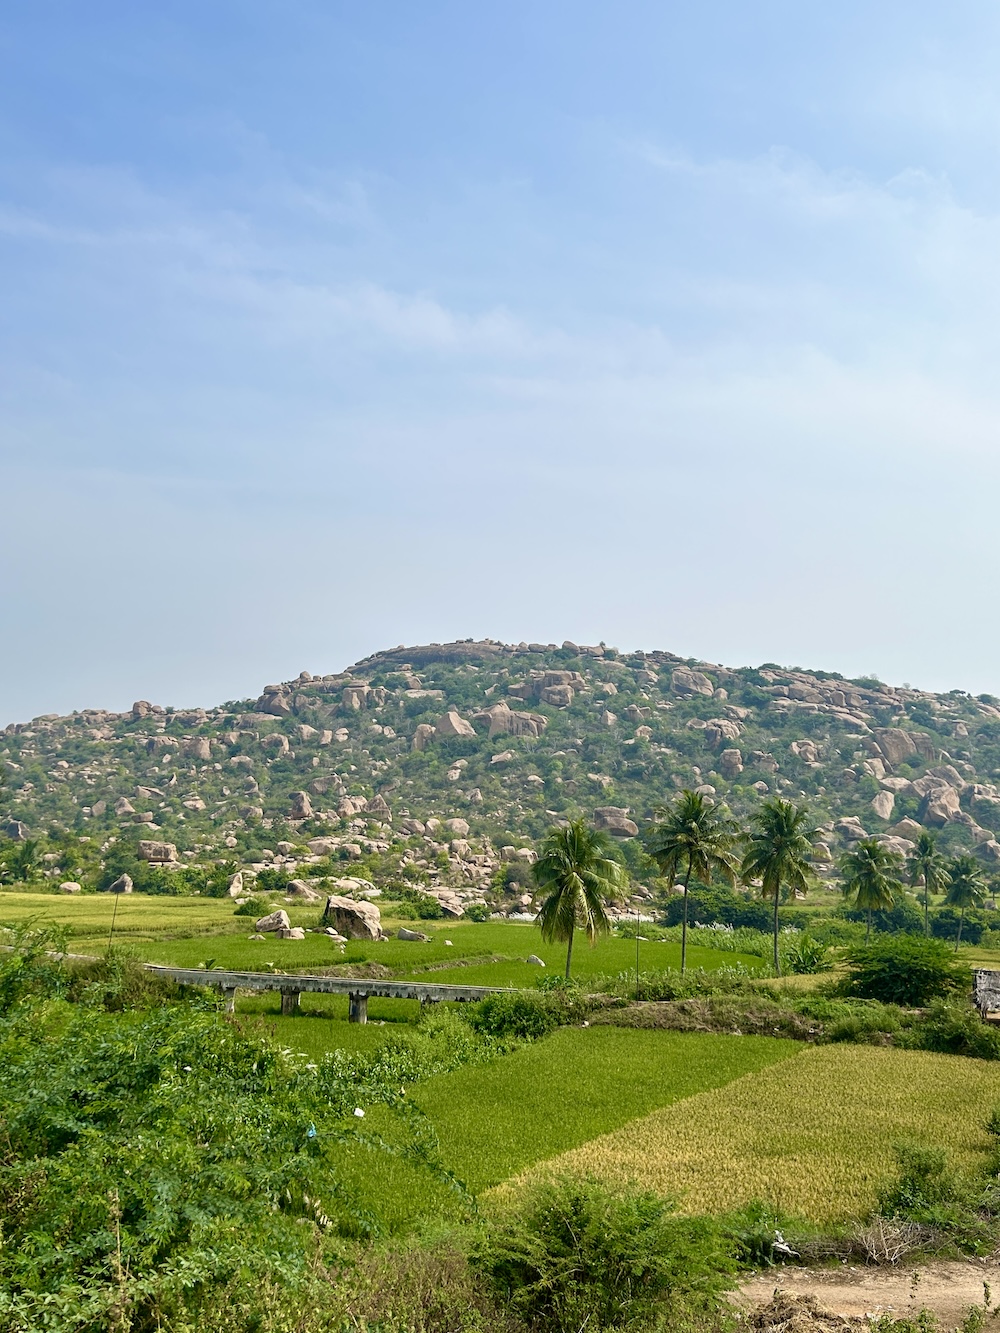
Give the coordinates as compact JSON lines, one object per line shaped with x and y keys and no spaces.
{"x":326,"y":327}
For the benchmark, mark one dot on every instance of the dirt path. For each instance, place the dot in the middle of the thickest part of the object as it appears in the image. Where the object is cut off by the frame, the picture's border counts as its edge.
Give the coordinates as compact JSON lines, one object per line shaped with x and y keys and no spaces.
{"x":946,"y":1288}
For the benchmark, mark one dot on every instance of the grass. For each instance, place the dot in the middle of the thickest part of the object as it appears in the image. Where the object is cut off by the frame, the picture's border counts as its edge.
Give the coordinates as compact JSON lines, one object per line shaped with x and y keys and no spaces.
{"x":812,"y":1136}
{"x":494,"y":1120}
{"x":89,"y":914}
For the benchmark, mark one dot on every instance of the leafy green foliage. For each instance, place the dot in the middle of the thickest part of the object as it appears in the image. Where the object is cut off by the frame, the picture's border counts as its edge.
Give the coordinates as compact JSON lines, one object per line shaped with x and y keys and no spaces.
{"x":520,"y":1014}
{"x":577,"y":1255}
{"x":905,"y":970}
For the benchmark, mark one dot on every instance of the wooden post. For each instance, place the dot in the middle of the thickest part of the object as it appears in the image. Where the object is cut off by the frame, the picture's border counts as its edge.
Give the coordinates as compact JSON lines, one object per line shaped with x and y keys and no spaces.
{"x":229,"y":995}
{"x":357,"y":1008}
{"x":290,"y":1002}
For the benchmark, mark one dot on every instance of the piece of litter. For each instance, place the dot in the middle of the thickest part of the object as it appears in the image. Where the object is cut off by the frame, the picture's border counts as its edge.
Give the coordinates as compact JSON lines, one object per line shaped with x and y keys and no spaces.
{"x":359,"y":1113}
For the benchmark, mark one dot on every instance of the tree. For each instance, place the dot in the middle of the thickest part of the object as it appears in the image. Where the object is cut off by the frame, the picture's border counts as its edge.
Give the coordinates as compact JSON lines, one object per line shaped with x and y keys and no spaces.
{"x":691,"y":833}
{"x":871,"y":877}
{"x":579,"y":877}
{"x":778,"y":852}
{"x":926,"y":866}
{"x":966,"y":888}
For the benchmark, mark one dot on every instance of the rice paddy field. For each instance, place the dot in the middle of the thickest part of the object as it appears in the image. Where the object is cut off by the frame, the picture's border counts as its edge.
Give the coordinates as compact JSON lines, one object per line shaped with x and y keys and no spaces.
{"x":711,"y":1121}
{"x":812,"y":1135}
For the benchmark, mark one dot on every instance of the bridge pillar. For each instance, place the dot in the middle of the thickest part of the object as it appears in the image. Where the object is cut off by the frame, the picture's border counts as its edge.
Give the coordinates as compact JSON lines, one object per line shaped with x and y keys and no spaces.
{"x":357,"y":1008}
{"x":229,"y":995}
{"x":290,"y":1001}
{"x":426,"y":1000}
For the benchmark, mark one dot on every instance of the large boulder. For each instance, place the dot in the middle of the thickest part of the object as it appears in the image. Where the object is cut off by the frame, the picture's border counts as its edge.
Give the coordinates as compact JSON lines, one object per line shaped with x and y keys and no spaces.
{"x":353,"y":920}
{"x":883,"y":804}
{"x":685,"y":681}
{"x":422,"y":735}
{"x":453,"y":725}
{"x":851,"y":828}
{"x":323,"y":846}
{"x":731,"y":763}
{"x":559,"y":696}
{"x":415,"y":936}
{"x":273,"y":921}
{"x":236,"y":885}
{"x":70,"y":886}
{"x":939,"y":806}
{"x":301,"y":806}
{"x":897,"y":745}
{"x":291,"y":933}
{"x":719,"y":729}
{"x":199,"y":747}
{"x":614,"y":820}
{"x":123,"y":884}
{"x":907,"y":828}
{"x":123,"y":806}
{"x":378,"y":808}
{"x":159,"y":852}
{"x":459,"y":827}
{"x":14,"y":828}
{"x":298,"y":888}
{"x":806,"y":750}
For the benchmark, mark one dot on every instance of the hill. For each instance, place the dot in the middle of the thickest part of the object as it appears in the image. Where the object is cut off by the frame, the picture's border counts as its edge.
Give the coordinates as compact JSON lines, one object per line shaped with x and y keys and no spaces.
{"x":442,"y":763}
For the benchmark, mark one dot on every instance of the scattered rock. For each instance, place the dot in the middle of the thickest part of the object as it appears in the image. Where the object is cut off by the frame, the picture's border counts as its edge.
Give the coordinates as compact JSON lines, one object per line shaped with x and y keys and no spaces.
{"x":355,"y":920}
{"x":614,"y":820}
{"x":685,"y":681}
{"x":272,"y":922}
{"x":883,"y":804}
{"x":422,"y":736}
{"x":453,"y":725}
{"x":291,"y":933}
{"x":157,"y":851}
{"x":301,"y":806}
{"x":70,"y":886}
{"x":236,"y":885}
{"x":731,"y":763}
{"x":413,"y":935}
{"x":460,"y":827}
{"x":534,"y":960}
{"x":123,"y":884}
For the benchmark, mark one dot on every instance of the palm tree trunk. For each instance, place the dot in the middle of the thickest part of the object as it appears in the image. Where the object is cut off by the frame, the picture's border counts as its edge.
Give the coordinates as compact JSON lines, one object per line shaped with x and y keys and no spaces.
{"x":684,"y":926}
{"x":868,"y":931}
{"x":927,"y":897}
{"x":569,"y":951}
{"x":777,"y":961}
{"x":961,"y":923}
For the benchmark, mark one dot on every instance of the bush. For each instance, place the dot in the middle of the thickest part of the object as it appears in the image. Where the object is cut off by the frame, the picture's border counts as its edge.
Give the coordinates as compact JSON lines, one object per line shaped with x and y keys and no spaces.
{"x":521,"y":1014}
{"x":805,"y":956}
{"x":905,"y":970}
{"x":955,"y":1028}
{"x":718,"y":906}
{"x":255,"y":907}
{"x":272,"y":879}
{"x":904,"y":917}
{"x":477,"y":911}
{"x":945,"y":923}
{"x":578,"y":1256}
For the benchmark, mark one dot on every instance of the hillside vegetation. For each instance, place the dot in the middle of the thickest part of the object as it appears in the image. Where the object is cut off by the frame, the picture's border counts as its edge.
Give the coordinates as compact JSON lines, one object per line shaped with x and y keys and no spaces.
{"x":438,"y":766}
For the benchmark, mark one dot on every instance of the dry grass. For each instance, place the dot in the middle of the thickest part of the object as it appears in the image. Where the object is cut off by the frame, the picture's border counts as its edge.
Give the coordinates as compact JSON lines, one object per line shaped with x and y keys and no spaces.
{"x":812,"y":1135}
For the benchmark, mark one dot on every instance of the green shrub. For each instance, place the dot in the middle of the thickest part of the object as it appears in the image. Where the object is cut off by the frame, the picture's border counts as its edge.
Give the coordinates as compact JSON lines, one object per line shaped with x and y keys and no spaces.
{"x":905,"y":970}
{"x":254,"y":906}
{"x":804,"y":955}
{"x":521,"y":1014}
{"x":904,"y":917}
{"x":578,"y":1256}
{"x":946,"y":920}
{"x":477,"y":911}
{"x":272,"y":879}
{"x":718,"y":906}
{"x":955,"y":1028}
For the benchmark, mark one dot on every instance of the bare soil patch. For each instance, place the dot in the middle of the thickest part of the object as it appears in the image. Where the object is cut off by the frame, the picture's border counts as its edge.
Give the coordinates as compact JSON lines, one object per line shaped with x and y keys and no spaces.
{"x":772,"y":1299}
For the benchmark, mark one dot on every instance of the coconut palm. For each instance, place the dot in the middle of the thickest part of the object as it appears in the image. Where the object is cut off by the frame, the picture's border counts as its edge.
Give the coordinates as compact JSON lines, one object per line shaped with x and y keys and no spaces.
{"x":690,"y":833}
{"x":966,"y":888}
{"x":579,"y":877}
{"x":871,"y":877}
{"x":778,"y":852}
{"x":927,"y":867}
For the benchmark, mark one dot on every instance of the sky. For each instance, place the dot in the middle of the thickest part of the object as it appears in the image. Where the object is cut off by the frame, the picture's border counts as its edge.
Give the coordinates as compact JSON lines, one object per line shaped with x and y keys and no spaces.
{"x":326,"y":327}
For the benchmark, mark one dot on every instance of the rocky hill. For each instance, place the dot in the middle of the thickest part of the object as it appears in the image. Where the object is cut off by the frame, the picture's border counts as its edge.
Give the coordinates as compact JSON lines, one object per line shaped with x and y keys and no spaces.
{"x":443,"y":756}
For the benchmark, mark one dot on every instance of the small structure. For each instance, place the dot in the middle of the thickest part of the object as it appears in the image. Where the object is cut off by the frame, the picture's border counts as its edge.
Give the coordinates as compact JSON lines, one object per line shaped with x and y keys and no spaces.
{"x":986,"y":994}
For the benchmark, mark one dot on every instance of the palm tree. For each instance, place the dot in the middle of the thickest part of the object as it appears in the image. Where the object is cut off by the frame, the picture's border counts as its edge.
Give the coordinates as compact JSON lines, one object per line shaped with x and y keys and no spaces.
{"x":579,"y":876}
{"x":871,"y":877}
{"x":926,"y":865}
{"x":778,"y":852}
{"x":966,"y":888}
{"x":690,"y":833}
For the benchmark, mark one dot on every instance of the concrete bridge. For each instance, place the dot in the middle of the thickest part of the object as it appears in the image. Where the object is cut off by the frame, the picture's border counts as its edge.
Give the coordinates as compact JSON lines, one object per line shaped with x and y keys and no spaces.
{"x":292,"y":986}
